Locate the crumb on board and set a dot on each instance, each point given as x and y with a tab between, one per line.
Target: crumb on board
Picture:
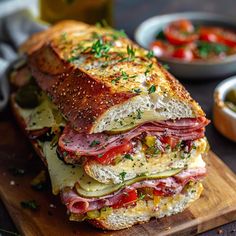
220	231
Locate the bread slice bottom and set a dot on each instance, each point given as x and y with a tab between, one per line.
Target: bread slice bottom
144	210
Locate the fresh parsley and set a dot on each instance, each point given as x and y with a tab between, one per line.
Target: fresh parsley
152	89
205	48
139	114
161	35
166	66
137	90
100	48
31	204
128	156
148	69
150	54
17	171
94	143
122	175
141	196
130	51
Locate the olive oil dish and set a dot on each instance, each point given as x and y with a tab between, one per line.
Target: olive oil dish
122	139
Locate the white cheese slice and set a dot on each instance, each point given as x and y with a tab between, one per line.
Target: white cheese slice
44	115
61	175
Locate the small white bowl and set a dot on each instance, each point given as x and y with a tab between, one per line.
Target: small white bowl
224	118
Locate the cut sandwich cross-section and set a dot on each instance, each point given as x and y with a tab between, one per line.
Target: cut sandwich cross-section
122	139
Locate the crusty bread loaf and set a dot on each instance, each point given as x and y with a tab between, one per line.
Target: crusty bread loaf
145	210
102	81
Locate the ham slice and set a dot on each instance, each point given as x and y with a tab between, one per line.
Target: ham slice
169	186
80	144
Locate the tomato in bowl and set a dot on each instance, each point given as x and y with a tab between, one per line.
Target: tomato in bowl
195	45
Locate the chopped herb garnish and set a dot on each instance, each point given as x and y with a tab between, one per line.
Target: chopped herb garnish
100	49
105	64
94	143
166	66
124	75
17	171
152	150
161	35
150	54
130	51
128	156
122	176
152	89
119	33
102	24
139	114
148	69
137	90
141	196
31	204
64	154
64	36
100	155
205	48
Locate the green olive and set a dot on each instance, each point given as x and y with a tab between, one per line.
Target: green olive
231	96
231	106
28	96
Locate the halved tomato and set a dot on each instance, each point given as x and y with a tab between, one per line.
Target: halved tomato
127	198
110	155
209	34
218	35
183	53
180	32
228	38
170	141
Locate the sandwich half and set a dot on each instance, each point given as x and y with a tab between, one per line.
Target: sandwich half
122	139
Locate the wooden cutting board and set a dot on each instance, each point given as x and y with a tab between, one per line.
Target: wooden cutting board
216	206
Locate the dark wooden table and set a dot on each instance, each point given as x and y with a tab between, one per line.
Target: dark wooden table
128	15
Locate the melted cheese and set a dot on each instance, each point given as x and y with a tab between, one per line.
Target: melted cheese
139	164
61	175
44	115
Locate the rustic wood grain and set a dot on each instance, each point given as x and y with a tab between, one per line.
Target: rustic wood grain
217	205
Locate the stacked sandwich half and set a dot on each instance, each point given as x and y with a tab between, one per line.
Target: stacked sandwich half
122	139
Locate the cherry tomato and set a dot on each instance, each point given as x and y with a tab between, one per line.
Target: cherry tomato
209	34
170	141
158	192
218	35
228	38
109	156
180	32
183	53
127	198
161	48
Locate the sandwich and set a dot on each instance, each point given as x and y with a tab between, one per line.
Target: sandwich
122	139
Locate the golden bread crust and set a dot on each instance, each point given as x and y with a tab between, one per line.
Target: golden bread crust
87	70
